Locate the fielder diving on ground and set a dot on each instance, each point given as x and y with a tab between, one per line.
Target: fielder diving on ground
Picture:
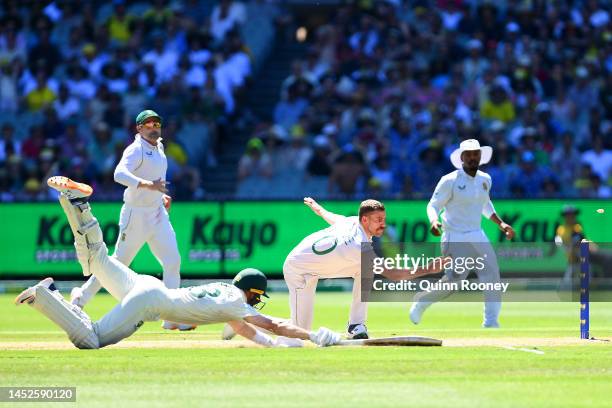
144	298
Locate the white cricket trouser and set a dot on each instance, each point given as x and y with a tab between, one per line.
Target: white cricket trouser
302	288
473	245
141	297
137	226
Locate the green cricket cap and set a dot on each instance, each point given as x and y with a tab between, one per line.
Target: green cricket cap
251	279
146	114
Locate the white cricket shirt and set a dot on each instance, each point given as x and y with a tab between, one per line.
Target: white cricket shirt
464	199
216	302
333	252
141	161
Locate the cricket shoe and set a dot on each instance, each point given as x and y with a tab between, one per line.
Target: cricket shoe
71	189
228	332
178	326
357	331
490	325
416	312
29	295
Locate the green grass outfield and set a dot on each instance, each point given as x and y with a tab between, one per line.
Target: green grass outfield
477	367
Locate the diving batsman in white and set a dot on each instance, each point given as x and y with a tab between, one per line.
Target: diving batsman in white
144	215
464	197
145	298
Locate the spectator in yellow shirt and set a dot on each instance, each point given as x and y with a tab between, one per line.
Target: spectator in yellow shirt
120	24
498	106
41	96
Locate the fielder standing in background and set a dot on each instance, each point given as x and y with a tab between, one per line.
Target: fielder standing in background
144	215
569	235
464	196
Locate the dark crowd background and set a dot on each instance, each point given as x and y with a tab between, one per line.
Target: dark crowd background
379	93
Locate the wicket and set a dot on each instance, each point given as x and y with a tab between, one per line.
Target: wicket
584	289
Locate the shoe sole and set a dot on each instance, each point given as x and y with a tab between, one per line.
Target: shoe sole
69	188
178	327
169	326
28	295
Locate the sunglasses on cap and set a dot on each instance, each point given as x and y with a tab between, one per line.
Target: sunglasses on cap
152	124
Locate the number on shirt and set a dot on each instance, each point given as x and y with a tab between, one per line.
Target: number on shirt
200	292
324	245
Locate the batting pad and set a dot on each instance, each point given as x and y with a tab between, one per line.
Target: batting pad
82	224
75	323
73	216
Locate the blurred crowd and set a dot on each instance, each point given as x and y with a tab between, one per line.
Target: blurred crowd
74	75
384	93
387	89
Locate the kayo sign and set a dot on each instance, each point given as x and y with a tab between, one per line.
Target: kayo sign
219	239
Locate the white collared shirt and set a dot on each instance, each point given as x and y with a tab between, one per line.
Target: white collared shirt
141	161
463	198
332	252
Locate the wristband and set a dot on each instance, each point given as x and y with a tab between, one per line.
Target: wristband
263	339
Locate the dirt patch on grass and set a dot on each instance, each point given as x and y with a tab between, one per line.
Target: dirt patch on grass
194	344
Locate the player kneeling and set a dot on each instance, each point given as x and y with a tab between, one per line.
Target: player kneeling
145	298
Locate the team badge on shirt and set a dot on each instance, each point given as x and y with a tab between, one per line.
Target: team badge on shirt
484	186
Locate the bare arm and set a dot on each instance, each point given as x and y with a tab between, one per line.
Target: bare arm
328	216
243	329
508	230
249	332
323	337
277	326
167	201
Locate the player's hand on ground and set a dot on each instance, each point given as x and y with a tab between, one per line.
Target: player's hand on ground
314	206
436	228
508	230
325	337
167	200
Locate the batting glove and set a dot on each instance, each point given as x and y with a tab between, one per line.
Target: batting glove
325	337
